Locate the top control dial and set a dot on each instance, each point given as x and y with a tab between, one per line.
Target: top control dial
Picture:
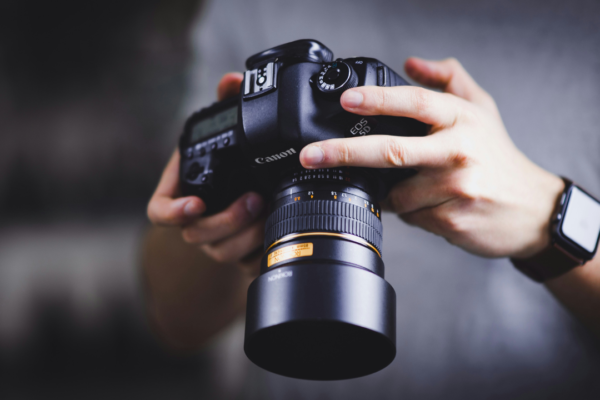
335	77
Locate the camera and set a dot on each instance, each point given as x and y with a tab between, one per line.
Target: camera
320	308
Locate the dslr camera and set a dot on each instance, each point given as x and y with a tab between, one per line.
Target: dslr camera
320	308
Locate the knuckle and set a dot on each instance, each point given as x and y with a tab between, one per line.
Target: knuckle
468	192
448	221
469	188
421	100
460	153
232	220
379	100
459	159
453	63
344	152
394	152
489	103
189	235
382	100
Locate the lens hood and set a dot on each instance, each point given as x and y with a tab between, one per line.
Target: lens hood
321	321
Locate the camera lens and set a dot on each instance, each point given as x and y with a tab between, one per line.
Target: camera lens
320	308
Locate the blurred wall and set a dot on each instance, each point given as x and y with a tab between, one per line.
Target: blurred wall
90	93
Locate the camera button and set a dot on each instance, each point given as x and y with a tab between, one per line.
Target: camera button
195	170
204	178
189	152
381	76
226	141
213	147
332	75
202	151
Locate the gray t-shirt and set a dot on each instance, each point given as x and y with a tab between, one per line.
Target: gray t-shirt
467	327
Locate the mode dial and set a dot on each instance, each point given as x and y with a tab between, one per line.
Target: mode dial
335	77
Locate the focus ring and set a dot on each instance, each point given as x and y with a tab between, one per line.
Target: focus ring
323	216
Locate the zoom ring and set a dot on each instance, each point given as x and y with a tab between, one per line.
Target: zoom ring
324	216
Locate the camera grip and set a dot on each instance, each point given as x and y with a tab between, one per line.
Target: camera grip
224	178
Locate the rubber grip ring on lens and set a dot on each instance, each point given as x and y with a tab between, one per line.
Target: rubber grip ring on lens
323	216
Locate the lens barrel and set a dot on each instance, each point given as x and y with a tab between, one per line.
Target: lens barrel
321	308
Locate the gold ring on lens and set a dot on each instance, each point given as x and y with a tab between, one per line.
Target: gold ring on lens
351	238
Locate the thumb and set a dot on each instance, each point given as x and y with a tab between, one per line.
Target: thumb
165	208
229	85
449	76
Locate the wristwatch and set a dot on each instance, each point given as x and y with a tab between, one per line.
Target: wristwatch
574	233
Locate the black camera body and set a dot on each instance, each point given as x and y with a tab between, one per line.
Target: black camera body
286	102
320	308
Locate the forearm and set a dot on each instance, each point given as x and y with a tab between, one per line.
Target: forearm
189	295
579	291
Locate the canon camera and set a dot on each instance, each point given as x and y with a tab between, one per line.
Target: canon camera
320	308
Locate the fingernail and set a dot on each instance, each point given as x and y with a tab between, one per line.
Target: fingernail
191	209
254	204
312	156
352	98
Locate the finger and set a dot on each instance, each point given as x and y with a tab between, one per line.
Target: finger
433	108
238	246
424	219
423	190
164	208
229	85
442	220
381	151
226	223
447	75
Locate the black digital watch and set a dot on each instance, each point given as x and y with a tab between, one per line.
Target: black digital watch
575	233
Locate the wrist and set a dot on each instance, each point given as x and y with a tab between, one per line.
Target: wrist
543	205
575	232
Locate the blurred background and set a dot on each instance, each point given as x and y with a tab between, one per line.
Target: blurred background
93	96
90	94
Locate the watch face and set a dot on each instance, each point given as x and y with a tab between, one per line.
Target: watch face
581	222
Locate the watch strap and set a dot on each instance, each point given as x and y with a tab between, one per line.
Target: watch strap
551	263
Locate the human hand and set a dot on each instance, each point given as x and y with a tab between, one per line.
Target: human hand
234	235
474	187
